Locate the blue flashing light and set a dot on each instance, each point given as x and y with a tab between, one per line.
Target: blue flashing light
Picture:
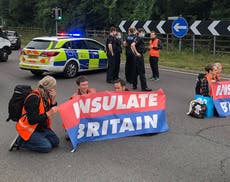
70	34
74	34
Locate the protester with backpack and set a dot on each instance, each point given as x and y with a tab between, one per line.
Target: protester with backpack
206	82
34	126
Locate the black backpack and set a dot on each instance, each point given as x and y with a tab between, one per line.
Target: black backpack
17	101
200	77
198	110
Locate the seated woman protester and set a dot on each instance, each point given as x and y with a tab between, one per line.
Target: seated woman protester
34	127
219	70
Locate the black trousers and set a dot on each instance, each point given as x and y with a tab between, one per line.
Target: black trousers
130	67
153	61
140	71
111	68
117	65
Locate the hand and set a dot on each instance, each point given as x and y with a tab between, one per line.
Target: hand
52	111
138	54
52	94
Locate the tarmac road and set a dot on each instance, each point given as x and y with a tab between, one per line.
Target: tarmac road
192	151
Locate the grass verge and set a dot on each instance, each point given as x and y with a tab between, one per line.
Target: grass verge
187	61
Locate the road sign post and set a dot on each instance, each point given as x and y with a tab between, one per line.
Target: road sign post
179	29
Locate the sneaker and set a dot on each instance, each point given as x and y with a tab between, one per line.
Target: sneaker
14	144
157	79
152	79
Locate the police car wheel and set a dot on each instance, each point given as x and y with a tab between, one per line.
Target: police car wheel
37	72
4	55
71	70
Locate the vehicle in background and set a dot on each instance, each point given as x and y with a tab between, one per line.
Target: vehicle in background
14	38
63	54
5	47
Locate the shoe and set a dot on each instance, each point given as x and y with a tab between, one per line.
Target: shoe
147	89
157	79
134	87
152	79
67	138
14	144
111	81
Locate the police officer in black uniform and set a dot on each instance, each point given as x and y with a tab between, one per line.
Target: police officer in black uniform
130	57
118	54
138	47
111	51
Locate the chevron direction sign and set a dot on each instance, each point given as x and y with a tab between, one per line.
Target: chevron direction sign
197	27
208	27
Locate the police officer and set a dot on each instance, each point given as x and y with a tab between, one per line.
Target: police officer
118	54
130	57
138	47
111	50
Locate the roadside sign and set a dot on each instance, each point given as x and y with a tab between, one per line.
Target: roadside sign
180	27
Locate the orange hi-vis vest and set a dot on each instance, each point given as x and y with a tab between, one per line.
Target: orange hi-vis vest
154	52
89	91
23	127
209	84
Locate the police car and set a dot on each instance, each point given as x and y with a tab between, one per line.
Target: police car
63	54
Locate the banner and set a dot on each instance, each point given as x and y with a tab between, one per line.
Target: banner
221	97
107	115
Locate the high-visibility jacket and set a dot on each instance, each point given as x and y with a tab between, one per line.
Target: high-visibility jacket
154	52
23	127
89	91
209	84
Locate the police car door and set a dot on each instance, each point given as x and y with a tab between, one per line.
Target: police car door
82	54
97	54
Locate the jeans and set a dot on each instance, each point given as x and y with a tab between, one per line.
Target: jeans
40	141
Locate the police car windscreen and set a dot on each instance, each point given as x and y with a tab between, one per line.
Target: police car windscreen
38	44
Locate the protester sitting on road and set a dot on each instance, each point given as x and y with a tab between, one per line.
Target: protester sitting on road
83	86
119	85
34	127
82	89
206	82
219	70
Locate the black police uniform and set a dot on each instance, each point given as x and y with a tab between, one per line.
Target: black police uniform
130	60
111	59
118	51
140	65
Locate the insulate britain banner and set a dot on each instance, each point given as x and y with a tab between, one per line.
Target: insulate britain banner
107	115
221	97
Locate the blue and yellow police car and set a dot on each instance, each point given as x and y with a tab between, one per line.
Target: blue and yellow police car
63	54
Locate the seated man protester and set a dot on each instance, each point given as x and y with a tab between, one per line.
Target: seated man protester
206	82
119	85
83	87
34	126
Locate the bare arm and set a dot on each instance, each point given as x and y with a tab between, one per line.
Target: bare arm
133	47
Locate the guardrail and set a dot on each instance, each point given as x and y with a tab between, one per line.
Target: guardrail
201	43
